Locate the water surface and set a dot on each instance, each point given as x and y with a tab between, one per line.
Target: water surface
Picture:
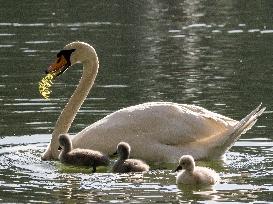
214	54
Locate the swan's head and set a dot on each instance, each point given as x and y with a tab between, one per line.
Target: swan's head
123	150
72	53
186	162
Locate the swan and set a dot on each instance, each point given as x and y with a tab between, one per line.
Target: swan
156	131
124	164
192	174
80	157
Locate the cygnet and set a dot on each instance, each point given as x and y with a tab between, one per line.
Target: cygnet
81	157
192	174
124	164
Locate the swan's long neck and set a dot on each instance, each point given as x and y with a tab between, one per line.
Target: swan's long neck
90	70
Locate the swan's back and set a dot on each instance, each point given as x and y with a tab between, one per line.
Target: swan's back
166	123
186	123
162	131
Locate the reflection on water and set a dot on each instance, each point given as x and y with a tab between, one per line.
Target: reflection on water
214	54
244	176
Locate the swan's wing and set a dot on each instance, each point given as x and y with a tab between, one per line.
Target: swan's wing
165	130
167	123
209	114
172	123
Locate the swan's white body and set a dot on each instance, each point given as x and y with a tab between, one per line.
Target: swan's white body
156	131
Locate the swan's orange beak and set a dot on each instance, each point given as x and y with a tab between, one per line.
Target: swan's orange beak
59	66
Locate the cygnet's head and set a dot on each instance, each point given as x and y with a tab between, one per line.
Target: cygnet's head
65	142
186	162
123	150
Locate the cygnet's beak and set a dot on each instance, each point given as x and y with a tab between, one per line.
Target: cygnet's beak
115	153
178	168
59	148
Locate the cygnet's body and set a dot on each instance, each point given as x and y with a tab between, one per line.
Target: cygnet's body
80	157
124	164
195	175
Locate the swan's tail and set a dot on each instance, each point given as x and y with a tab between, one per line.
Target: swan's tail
228	139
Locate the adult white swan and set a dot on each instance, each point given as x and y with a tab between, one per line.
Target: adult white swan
157	131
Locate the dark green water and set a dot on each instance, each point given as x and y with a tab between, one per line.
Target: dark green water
216	54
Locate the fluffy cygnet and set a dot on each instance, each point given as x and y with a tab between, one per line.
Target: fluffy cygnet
81	157
124	164
192	174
